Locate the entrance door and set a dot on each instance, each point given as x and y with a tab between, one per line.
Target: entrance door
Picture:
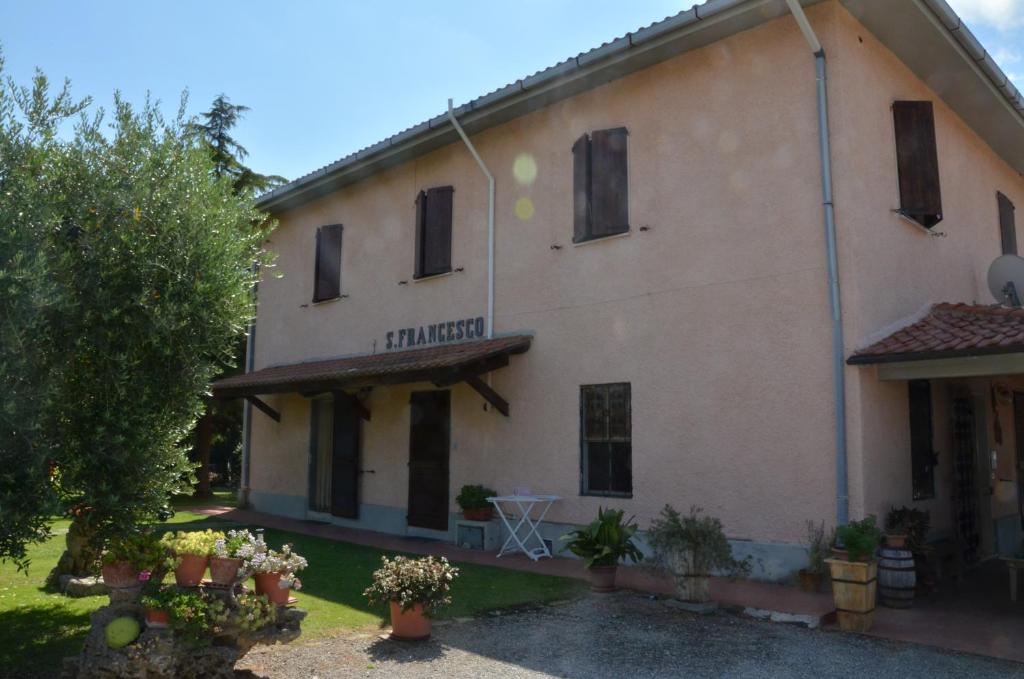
430	423
345	458
1018	423
965	486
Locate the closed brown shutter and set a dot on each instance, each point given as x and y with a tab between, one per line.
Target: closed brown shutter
328	263
421	212
1007	225
437	257
918	162
609	182
581	189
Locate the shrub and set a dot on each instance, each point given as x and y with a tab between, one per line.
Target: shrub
911	522
818	543
237	544
474	497
607	540
139	547
285	562
860	538
251	612
178	544
697	541
408	582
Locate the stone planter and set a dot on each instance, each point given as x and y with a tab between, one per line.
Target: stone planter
120	574
854	585
190	571
410	625
602	578
690	585
224	571
268	583
478	514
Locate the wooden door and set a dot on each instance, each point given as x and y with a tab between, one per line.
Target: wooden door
345	458
429	432
965	487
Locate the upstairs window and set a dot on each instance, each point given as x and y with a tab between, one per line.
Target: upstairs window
600	185
327	280
922	456
917	162
1007	224
434	232
606	439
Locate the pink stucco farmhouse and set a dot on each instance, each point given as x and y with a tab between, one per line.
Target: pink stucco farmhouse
735	259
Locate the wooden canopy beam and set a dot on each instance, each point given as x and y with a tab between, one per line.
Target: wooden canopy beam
262	405
489	394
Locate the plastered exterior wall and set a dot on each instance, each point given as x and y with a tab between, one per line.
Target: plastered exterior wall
891	269
716	313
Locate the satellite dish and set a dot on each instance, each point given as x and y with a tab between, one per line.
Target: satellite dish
1006	279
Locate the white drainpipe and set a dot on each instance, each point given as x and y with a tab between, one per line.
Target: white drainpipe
490	219
838	352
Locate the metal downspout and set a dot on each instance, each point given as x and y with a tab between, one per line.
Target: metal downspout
838	351
250	357
490	221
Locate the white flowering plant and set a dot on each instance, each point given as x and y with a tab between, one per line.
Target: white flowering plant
408	582
266	560
237	544
251	612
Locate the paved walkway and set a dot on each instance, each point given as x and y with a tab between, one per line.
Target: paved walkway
619	635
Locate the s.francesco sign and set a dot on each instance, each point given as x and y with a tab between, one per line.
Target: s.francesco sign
435	333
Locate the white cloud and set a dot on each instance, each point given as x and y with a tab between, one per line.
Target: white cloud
999	14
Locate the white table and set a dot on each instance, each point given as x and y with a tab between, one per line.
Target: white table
526	528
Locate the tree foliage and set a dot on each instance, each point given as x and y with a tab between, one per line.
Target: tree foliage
126	271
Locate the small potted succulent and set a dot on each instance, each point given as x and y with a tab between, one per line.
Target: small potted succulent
414	589
818	542
130	555
606	541
474	503
855	573
189	554
251	612
274	571
229	554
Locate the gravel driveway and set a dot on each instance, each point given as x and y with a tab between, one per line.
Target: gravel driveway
619	635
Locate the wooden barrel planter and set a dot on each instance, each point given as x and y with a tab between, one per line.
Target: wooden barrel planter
897	578
854	585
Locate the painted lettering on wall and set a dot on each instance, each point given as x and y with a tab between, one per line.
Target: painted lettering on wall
435	333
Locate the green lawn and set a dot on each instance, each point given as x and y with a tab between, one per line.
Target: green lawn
40	628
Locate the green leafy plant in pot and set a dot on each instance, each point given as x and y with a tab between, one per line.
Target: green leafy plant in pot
472	499
602	544
907	527
130	555
855	573
691	547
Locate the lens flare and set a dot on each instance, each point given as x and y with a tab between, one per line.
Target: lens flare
524	169
524	209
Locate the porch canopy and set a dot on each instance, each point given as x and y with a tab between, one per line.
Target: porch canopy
442	365
951	340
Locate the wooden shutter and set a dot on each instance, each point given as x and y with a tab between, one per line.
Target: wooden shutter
345	458
328	263
917	162
581	189
421	213
609	182
437	232
1007	225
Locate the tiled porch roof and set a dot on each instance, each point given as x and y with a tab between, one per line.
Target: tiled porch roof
413	365
950	331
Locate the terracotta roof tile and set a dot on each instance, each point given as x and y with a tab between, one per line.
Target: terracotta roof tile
392	367
950	330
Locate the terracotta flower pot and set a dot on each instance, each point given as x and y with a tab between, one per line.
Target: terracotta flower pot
120	574
267	583
224	571
602	578
810	582
157	619
410	625
191	570
478	514
896	541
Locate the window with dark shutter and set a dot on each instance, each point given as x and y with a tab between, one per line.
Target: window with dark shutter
606	434
1007	224
917	162
327	279
922	455
434	232
600	185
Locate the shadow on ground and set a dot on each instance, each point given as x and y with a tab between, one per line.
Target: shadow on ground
36	636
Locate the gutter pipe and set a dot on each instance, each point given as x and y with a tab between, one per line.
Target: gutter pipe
838	352
490	218
250	358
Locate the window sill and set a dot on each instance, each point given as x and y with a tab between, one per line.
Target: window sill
601	239
434	276
606	494
328	301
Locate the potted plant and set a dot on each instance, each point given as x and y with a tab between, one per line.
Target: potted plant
189	554
907	527
187	613
251	612
129	555
854	577
905	536
413	589
229	554
274	571
691	547
156	603
474	503
607	540
817	551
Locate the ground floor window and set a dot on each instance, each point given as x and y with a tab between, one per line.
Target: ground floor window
922	455
606	439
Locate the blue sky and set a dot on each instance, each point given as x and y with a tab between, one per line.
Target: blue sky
326	77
